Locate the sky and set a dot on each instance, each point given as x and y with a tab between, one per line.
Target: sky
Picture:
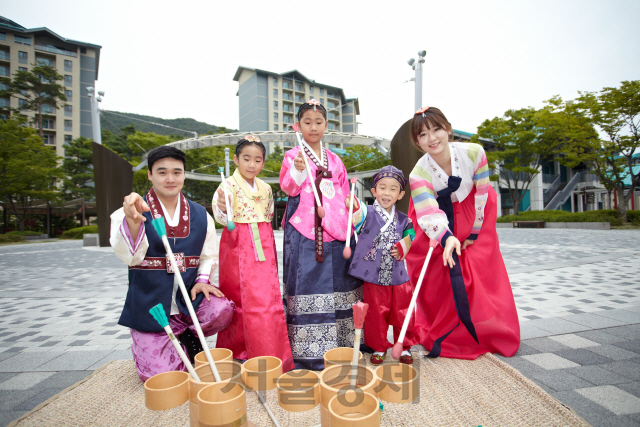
177	59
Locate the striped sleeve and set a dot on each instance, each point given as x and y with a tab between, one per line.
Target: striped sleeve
429	215
404	245
481	180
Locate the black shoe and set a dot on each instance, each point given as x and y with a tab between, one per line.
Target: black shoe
191	343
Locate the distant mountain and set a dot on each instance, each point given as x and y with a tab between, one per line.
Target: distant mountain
114	120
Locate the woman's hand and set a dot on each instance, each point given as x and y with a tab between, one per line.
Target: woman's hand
447	255
466	243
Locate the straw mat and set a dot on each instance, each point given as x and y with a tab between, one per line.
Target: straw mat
453	392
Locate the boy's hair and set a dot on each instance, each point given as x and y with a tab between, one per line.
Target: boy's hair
250	140
312	104
164	152
430	117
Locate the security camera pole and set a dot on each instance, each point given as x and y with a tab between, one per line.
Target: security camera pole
417	66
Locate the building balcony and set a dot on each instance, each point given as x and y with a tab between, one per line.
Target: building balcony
5	56
52	49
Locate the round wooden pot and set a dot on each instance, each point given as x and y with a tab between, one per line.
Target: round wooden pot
341	356
354	409
222	404
335	380
298	390
261	373
228	370
218	355
399	382
166	390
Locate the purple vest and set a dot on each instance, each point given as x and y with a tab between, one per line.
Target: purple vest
368	260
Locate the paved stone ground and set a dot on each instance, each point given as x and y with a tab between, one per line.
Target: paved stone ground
577	293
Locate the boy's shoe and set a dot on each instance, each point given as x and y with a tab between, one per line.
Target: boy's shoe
191	343
406	359
377	359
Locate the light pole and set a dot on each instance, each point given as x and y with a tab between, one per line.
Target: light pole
417	66
95	114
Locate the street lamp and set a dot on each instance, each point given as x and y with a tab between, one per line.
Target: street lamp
95	114
417	66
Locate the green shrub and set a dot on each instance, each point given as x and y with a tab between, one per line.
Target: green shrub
77	233
608	215
24	233
9	238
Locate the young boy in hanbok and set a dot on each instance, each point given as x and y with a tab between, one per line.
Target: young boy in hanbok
453	202
385	238
191	234
318	291
248	272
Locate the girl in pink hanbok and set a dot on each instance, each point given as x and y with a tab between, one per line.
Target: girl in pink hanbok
248	269
318	291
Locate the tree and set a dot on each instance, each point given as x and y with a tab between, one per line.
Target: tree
77	167
616	113
364	158
523	138
28	169
36	88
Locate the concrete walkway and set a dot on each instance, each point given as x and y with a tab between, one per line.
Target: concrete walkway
577	293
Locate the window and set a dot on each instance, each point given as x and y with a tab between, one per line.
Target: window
286	107
4	71
68	108
83	50
310	89
331	126
330	94
48	109
331	104
275	93
5	55
275	104
3	36
275	127
286	96
275	81
68	79
22	40
322	101
287	119
68	139
321	91
275	116
23	55
48	139
286	85
4	102
299	99
68	65
299	87
45	61
69	95
22	103
48	124
331	116
68	125
22	69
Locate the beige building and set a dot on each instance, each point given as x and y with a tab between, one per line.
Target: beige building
77	61
269	102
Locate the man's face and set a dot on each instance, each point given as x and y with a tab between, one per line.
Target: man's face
167	177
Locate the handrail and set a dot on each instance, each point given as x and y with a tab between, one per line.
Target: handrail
552	189
562	196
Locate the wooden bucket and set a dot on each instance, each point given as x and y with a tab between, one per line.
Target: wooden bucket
218	355
261	373
341	356
228	370
222	404
398	382
354	409
298	390
166	390
335	380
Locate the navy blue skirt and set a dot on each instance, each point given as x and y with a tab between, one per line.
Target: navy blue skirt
317	296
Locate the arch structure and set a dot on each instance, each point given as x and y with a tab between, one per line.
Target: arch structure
204	141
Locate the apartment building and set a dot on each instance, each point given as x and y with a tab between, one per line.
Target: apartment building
77	61
269	102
